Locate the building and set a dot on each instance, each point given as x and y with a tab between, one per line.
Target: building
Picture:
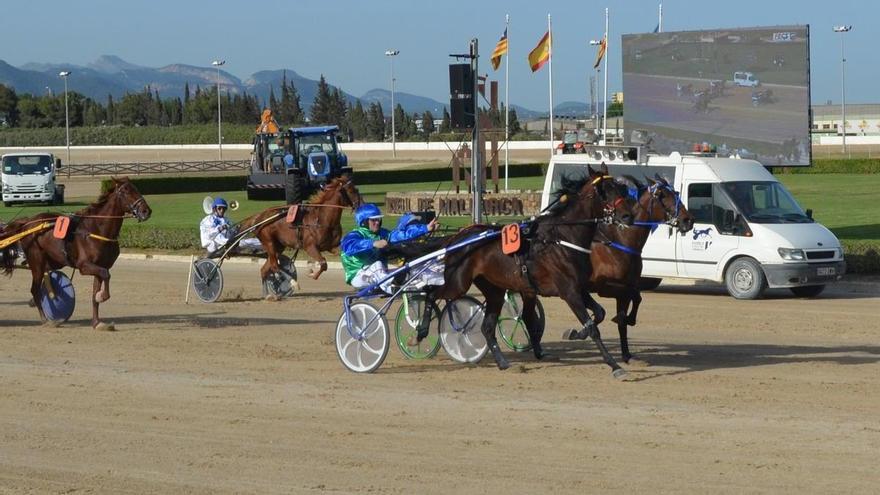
862	119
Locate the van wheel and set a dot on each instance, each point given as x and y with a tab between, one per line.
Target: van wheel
649	283
745	279
807	290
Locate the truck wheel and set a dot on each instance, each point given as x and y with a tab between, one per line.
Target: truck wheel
807	290
745	279
252	194
295	189
7	203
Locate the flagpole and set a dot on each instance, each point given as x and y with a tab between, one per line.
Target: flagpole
507	102
660	23
550	33
605	103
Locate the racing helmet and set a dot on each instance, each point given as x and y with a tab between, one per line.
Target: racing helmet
219	203
365	212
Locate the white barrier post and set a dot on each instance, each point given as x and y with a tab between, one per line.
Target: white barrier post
189	277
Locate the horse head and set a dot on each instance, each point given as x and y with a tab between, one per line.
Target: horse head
663	204
129	200
343	187
612	194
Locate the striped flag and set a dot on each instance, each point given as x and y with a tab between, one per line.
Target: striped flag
601	53
500	50
541	54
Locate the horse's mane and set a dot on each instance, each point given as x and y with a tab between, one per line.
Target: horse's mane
103	198
322	195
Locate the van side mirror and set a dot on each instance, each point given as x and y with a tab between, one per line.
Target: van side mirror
810	213
58	164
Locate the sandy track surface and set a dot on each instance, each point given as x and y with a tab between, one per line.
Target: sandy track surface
246	396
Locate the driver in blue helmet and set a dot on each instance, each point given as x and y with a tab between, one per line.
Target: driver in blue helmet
215	229
361	248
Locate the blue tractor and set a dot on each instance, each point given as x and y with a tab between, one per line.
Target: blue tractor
295	163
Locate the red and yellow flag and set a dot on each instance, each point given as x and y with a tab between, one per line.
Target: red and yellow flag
541	54
601	53
500	50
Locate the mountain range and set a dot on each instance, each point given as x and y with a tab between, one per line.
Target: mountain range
111	75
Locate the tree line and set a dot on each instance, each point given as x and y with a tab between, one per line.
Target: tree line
199	106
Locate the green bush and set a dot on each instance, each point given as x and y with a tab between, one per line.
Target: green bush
166	239
121	136
175	185
838	166
862	256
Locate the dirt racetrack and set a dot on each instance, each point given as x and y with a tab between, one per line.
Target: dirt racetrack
246	396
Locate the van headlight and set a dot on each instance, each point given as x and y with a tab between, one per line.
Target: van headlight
792	254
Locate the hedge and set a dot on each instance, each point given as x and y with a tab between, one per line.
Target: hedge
837	166
861	256
175	185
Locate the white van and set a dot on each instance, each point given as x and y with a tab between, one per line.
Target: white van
749	233
746	79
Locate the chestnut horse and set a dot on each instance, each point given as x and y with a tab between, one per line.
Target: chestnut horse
317	226
616	255
552	261
91	244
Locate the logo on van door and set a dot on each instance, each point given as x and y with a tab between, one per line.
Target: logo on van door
702	239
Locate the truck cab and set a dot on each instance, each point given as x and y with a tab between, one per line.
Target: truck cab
30	178
749	232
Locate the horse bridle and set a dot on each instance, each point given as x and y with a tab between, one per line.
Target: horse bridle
344	193
655	189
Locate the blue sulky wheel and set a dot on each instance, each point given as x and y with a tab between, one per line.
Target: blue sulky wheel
283	282
362	342
460	332
207	280
58	303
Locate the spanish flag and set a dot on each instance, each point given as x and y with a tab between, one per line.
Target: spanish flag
541	54
601	53
500	50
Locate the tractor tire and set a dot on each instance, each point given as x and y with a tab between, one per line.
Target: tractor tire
295	189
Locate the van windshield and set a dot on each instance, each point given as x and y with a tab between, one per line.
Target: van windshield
765	202
27	165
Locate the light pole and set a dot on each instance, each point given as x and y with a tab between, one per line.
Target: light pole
217	64
63	75
392	54
841	30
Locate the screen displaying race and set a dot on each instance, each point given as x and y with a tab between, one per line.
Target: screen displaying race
743	91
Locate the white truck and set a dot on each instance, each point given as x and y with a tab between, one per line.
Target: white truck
30	177
749	233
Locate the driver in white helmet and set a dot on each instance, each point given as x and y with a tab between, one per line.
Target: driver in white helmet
215	230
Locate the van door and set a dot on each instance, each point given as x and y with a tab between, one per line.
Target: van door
716	231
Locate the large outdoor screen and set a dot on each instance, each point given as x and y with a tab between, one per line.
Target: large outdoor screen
743	91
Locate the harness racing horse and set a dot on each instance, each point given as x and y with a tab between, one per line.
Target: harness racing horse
90	245
316	227
616	255
552	261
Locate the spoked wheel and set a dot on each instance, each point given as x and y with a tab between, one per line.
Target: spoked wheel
281	283
207	280
511	325
59	299
460	332
406	328
362	342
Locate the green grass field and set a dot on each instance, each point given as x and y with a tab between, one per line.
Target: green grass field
848	204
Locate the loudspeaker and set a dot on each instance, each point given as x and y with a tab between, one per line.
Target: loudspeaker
461	113
461	79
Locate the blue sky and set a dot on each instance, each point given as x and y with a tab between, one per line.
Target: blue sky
346	39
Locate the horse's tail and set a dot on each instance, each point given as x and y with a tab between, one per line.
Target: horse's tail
7	254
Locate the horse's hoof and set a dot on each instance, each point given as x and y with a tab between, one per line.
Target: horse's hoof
572	334
105	327
32	304
503	365
272	297
52	323
620	374
101	297
631	321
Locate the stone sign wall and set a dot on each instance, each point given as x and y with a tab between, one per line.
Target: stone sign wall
514	203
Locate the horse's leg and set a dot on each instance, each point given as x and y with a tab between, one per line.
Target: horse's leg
102	279
36	283
636	297
598	316
494	301
577	303
530	318
425	322
622	304
315	254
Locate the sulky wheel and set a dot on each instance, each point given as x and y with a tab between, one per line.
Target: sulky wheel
59	298
207	280
362	342
283	282
460	332
406	327
511	325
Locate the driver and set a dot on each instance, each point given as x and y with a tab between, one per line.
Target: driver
215	229
361	255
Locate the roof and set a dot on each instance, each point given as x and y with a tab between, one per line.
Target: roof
310	131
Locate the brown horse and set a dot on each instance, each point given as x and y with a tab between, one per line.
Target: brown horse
317	226
551	262
91	244
616	255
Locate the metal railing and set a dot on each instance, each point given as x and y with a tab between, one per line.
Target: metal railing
143	168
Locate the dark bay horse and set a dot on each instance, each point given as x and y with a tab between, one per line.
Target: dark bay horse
616	255
91	244
317	227
552	261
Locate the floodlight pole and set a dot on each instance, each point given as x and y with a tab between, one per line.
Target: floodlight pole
476	170
218	63
842	30
64	75
391	54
